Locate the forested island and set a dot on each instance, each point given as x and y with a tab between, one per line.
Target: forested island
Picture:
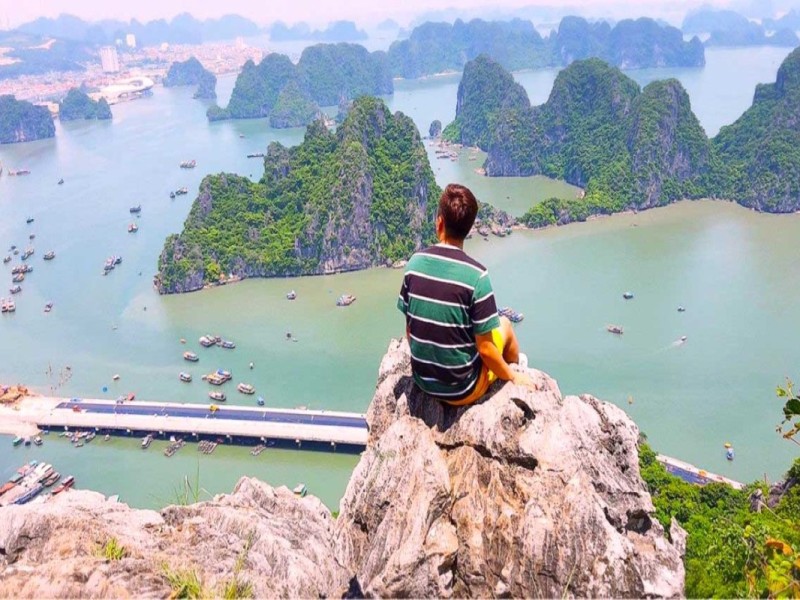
78	105
338	31
29	54
339	201
440	47
729	28
192	72
290	95
631	148
21	121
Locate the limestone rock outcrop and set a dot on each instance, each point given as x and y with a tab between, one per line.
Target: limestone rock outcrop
527	494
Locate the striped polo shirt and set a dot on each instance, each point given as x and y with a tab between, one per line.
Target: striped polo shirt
447	299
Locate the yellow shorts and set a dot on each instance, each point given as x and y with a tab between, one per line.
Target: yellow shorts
486	377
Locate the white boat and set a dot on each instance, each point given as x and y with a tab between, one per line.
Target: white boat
300	490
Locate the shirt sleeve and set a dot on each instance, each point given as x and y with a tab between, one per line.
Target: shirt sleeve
402	299
483	312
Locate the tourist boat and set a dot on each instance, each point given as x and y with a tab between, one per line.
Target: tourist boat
133	228
7	259
256	155
189	164
50	255
214	379
260	401
30	494
217	396
16	441
68	482
246	388
48	307
146	441
511	314
135	209
627	295
10	306
345	300
226	375
185	377
38	440
16	172
27	254
61	181
300	490
207	341
291	295
130	397
190	356
16	289
29	220
182	191
90	436
50	480
227	344
614	329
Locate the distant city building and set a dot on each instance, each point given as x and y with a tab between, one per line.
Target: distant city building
109	59
240	45
130	40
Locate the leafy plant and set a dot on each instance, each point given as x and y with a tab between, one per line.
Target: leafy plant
790	426
112	550
185	583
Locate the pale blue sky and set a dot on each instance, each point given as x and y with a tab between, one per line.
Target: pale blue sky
14	12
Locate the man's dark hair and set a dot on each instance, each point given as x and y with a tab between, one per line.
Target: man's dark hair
458	208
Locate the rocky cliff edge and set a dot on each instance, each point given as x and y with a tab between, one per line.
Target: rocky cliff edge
528	493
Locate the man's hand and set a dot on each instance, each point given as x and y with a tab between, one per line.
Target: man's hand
523	379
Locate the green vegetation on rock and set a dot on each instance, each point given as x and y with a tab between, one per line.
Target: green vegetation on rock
326	75
78	105
192	72
21	121
353	199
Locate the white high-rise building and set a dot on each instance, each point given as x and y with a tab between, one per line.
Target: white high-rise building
109	59
130	40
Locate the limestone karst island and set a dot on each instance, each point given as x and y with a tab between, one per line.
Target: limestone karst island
417	299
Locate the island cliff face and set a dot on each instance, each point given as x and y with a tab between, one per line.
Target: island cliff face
21	121
526	494
78	105
192	72
340	201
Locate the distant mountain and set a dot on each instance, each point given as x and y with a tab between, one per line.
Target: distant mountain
388	25
643	43
183	29
707	20
77	105
21	121
192	72
338	31
290	95
790	20
31	54
729	28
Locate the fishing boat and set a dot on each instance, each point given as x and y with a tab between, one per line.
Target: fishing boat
614	329
27	254
345	300
300	490
133	228
182	191
681	309
189	164
38	440
16	441
217	396
29	220
10	306
185	377
135	209
227	344
7	259
68	482
291	295
683	338
246	388
190	356
50	255
146	441
260	401
16	289
61	181
627	295
48	307
172	195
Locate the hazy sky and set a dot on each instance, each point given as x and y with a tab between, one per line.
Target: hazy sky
14	12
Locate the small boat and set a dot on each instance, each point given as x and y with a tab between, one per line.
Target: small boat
260	401
291	295
115	377
182	191
185	377
614	329
681	309
107	437
50	255
627	295
51	479
345	300
300	490
207	341
190	356
38	440
48	307
16	289
133	228
729	454
26	441
683	338
14	173
226	375
6	487
172	195
30	494
61	181
217	396
10	306
135	209
146	441
29	220
65	485
246	388
256	155
7	259
16	441
189	164
227	344
27	254
18	278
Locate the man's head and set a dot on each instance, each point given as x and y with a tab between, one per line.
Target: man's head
457	211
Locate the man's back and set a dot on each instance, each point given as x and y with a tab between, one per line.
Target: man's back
447	299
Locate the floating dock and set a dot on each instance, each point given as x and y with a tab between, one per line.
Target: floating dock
287	428
692	474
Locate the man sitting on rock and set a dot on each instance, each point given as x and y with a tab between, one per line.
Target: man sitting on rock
459	344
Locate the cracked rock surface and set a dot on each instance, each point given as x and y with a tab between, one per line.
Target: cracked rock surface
527	494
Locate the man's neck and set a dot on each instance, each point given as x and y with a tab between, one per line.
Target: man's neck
447	241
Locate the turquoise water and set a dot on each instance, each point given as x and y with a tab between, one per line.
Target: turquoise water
734	270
